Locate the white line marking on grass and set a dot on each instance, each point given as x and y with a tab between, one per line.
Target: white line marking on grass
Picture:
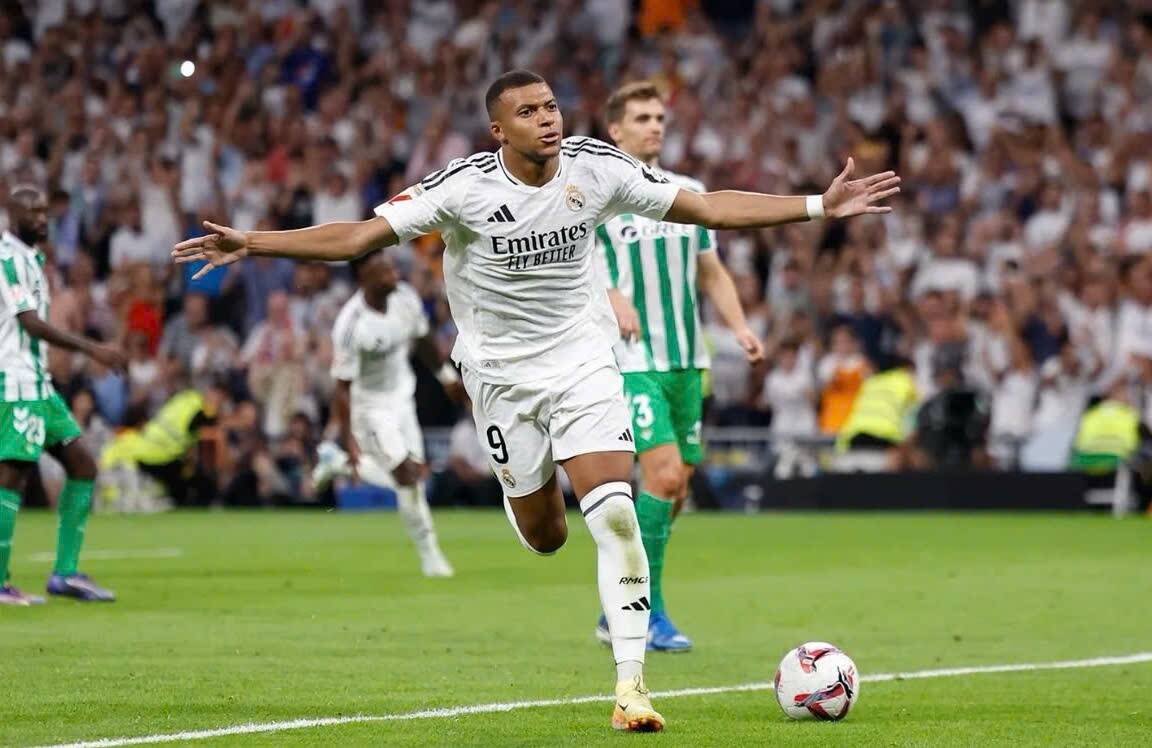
114	555
460	711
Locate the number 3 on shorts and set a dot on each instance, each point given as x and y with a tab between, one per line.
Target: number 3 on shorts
642	410
498	445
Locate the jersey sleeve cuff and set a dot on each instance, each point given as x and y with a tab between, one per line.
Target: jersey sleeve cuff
395	218
672	191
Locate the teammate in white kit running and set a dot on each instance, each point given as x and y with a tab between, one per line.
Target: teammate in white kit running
535	327
374	404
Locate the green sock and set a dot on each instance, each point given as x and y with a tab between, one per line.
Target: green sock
75	498
9	505
655	517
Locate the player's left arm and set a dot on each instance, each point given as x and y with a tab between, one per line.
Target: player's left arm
732	209
40	329
714	279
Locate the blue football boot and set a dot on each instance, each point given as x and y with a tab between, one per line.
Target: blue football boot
663	636
79	586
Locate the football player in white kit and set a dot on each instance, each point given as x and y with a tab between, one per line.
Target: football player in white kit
536	329
374	404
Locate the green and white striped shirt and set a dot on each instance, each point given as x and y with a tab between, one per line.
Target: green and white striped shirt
23	287
653	264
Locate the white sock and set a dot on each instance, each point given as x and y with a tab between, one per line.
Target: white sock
622	572
412	505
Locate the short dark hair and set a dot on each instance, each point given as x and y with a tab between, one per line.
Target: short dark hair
358	262
635	91
511	79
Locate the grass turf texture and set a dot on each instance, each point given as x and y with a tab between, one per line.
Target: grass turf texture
277	616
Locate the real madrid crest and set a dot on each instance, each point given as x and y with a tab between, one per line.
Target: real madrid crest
506	476
574	198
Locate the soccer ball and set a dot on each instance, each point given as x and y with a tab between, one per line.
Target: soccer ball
817	681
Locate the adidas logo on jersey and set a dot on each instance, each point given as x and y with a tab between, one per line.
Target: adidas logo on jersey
501	216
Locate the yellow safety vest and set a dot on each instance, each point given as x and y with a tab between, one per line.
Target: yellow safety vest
880	407
163	439
1110	429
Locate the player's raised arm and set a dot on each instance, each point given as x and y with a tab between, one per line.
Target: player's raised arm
341	240
731	209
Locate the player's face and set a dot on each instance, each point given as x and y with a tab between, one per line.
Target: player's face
30	218
528	121
640	132
379	274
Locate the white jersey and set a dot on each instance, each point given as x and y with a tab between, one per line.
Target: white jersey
525	288
653	264
23	287
370	348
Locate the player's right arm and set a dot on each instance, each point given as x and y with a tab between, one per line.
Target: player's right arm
627	319
40	329
17	299
345	367
717	283
431	205
342	412
328	242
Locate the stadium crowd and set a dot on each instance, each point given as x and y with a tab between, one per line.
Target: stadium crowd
1023	236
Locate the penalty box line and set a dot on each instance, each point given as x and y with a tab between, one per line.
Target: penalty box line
464	710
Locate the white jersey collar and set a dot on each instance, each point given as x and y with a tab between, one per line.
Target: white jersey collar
12	239
508	174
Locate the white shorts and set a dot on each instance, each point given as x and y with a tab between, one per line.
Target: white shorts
388	433
527	428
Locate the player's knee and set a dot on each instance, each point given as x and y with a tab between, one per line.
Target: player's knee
407	474
667	481
13	475
82	466
548	535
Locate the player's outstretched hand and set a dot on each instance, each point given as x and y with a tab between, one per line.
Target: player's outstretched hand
753	347
848	197
223	245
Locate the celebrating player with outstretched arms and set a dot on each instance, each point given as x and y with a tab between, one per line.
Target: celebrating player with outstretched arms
536	330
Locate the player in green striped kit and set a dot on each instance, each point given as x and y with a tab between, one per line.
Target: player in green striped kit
33	416
654	269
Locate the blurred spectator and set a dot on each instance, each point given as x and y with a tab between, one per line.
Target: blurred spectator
790	393
274	354
951	426
840	373
182	332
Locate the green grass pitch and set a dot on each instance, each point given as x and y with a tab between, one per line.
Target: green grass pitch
266	616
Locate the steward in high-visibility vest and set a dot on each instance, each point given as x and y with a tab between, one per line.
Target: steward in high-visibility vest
1109	433
879	416
160	448
166	437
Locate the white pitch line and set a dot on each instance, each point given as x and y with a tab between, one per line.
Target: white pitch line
114	555
460	711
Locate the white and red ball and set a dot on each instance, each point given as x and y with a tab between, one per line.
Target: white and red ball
817	681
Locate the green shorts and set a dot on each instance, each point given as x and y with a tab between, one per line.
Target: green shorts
27	426
666	408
